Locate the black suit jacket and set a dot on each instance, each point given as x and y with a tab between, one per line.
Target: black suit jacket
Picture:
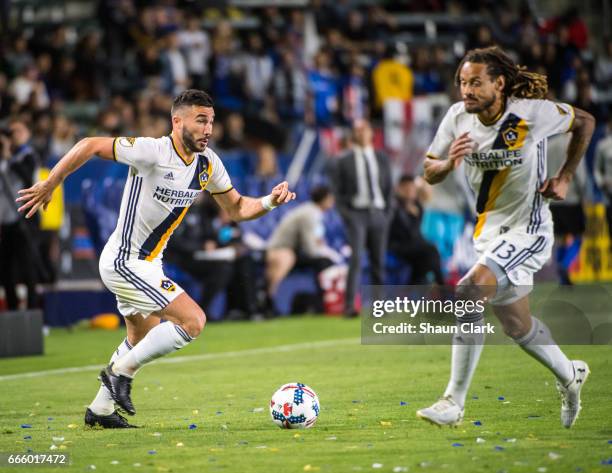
343	177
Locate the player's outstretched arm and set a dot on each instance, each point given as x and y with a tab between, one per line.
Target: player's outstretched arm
582	129
240	207
40	193
436	170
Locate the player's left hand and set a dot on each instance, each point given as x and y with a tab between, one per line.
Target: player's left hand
555	188
281	194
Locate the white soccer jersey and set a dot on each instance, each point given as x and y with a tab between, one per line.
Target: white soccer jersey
160	188
508	164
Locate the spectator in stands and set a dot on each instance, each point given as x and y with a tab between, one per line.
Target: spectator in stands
405	238
90	67
392	79
28	89
323	92
175	74
195	44
63	137
427	79
602	168
355	94
224	68
258	72
361	180
299	241
18	57
267	162
289	87
18	236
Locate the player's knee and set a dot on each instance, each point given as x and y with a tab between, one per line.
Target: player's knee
468	290
195	323
477	285
514	327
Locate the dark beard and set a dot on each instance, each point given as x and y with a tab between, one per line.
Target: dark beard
481	108
190	143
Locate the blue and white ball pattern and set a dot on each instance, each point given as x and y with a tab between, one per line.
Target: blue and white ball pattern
294	406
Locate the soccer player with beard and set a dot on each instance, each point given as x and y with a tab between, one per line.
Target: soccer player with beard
166	175
499	131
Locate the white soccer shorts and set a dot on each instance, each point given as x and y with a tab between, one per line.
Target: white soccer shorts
520	255
140	286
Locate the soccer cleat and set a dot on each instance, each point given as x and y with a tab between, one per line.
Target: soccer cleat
570	394
120	387
443	412
112	421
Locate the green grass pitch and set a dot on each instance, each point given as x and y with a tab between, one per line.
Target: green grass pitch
223	382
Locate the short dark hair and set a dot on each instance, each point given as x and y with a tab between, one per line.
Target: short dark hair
191	97
319	193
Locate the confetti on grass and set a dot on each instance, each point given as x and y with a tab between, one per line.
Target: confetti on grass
477	423
403	403
26	426
498	448
152	452
192	426
457	444
501	398
480	440
553	456
377	465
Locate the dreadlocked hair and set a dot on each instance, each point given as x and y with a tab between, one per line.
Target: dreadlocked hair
520	83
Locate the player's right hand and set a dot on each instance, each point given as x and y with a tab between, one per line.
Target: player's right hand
458	149
35	197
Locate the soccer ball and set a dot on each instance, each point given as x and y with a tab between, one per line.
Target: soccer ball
294	406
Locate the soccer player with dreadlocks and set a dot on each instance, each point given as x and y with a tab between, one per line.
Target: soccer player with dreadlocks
499	131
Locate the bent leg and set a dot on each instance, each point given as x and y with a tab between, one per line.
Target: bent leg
533	336
184	322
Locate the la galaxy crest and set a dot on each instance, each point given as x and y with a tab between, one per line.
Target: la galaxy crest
168	285
203	178
510	136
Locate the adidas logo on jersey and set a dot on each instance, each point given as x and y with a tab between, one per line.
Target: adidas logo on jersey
169	176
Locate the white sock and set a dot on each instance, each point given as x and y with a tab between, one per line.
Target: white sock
103	403
538	342
465	354
163	339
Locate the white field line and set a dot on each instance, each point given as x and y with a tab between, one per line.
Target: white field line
189	358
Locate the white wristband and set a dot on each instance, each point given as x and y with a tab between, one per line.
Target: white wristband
266	203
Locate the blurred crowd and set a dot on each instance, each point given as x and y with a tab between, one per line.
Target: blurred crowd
273	71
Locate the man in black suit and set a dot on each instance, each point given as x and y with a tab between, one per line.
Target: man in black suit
361	180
